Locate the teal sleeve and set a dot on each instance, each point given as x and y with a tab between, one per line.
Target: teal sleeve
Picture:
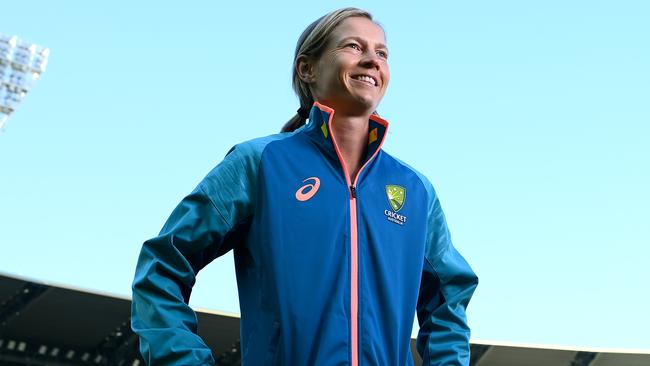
168	264
447	285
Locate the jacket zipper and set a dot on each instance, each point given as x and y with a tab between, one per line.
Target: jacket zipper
354	275
354	252
354	245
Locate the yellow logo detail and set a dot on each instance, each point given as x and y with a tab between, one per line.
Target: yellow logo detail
372	137
324	128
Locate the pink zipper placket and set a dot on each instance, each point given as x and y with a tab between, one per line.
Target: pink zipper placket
354	253
354	240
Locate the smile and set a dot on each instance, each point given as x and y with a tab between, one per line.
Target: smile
366	79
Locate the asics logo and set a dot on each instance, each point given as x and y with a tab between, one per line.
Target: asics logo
308	190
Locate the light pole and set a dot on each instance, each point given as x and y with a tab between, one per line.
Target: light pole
21	64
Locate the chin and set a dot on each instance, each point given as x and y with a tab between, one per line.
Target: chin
357	103
367	103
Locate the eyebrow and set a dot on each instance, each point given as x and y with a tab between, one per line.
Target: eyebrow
361	40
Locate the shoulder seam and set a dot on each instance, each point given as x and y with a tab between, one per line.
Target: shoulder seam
223	218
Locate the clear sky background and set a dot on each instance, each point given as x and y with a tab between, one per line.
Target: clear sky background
531	118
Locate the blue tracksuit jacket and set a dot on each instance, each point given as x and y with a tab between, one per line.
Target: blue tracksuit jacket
329	271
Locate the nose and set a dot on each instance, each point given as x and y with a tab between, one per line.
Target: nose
371	60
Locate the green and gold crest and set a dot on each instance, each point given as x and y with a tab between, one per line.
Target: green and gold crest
396	196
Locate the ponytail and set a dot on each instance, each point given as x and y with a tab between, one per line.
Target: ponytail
297	121
300	118
294	123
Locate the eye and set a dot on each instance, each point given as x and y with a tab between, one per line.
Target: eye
354	46
382	54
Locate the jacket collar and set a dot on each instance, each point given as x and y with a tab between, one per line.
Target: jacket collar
319	128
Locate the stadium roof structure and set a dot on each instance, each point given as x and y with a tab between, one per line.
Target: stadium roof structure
47	324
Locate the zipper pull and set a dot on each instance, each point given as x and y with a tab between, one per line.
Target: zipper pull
353	191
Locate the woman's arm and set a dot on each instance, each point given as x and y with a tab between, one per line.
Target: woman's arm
447	285
168	264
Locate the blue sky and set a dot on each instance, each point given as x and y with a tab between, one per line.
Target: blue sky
530	118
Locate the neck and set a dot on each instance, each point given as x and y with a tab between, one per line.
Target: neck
351	133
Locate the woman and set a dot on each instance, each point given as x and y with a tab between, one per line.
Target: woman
336	243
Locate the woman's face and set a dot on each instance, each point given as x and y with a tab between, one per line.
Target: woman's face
352	74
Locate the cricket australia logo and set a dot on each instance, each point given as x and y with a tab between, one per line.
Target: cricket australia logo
396	197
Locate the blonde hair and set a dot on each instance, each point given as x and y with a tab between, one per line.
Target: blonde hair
311	44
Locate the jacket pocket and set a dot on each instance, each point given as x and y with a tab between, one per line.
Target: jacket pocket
271	356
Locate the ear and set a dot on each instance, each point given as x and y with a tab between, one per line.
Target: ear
306	69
